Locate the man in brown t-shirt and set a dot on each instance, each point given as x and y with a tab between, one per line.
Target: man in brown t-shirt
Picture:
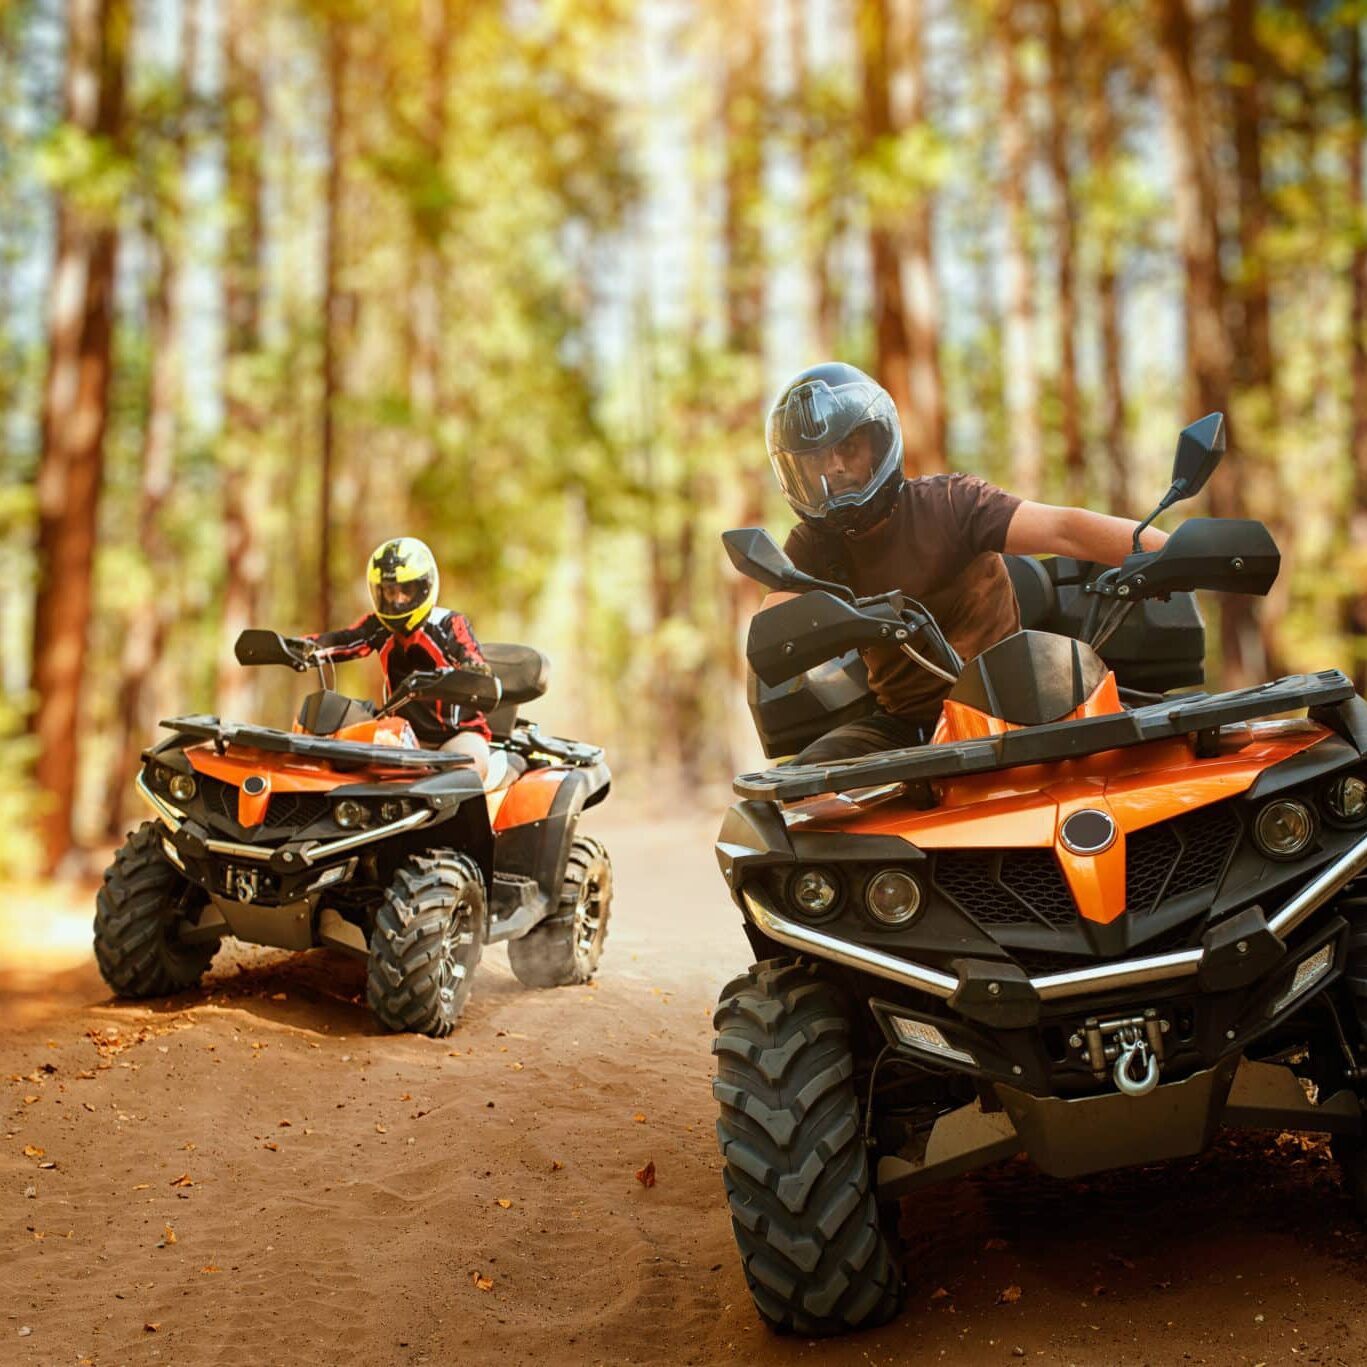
836	447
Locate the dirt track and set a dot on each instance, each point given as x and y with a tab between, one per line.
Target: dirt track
335	1194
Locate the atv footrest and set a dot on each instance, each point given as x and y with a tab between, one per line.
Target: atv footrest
516	903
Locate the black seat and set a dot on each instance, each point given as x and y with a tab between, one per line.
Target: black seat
525	676
1034	591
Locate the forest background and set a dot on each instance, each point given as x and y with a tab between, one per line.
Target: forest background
280	280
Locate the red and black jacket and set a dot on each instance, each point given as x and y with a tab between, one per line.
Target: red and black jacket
443	641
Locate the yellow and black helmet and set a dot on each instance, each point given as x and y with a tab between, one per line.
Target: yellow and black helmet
402	579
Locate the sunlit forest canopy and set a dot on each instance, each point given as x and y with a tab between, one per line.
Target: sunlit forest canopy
278	281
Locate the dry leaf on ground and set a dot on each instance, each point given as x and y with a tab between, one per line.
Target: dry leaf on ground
1010	1296
504	1202
557	1165
33	1151
151	1326
210	1268
639	1117
271	1145
646	1175
995	1245
482	1283
184	1180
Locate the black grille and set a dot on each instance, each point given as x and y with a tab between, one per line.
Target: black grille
1178	856
219	797
1035	877
296	809
1024	888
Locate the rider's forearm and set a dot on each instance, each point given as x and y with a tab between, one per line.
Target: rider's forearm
1106	539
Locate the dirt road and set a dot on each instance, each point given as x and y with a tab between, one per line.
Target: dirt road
250	1175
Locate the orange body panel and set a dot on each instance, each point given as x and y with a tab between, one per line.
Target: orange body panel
530	798
1024	807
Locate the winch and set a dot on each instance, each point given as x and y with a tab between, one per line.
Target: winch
1132	1047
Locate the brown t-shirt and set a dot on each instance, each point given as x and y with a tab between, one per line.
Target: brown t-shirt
942	546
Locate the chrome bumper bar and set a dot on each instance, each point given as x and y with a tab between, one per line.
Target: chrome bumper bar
1051	986
308	855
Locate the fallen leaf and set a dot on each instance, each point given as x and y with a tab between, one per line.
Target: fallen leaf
994	1245
939	1294
453	1053
142	1186
517	1067
557	1165
283	1124
210	1268
184	1180
646	1175
188	1146
1010	1296
407	1096
87	1105
169	1235
482	1283
151	1326
504	1202
271	1145
380	1129
29	1100
24	1331
279	997
639	1117
33	1151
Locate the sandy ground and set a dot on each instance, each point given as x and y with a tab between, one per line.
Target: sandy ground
250	1174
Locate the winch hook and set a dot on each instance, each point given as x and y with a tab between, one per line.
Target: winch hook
1126	1080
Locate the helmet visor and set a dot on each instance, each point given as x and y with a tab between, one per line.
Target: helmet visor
393	599
833	447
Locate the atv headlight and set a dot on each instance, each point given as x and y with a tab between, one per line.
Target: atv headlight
813	892
348	813
393	808
183	787
1284	828
892	897
1347	798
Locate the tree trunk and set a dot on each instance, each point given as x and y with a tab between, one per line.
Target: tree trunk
893	362
145	636
818	211
243	479
925	423
1209	344
332	307
74	413
1356	531
1021	379
1061	56
1101	142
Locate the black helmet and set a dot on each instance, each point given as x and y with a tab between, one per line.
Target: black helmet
836	446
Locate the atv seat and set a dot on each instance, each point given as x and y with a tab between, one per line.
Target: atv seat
524	674
505	768
1034	591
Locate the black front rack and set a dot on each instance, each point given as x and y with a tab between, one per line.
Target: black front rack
342	754
1199	714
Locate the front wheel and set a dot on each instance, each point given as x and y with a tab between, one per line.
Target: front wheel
566	947
140	912
797	1171
428	937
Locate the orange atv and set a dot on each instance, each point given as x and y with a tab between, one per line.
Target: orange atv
1085	922
343	832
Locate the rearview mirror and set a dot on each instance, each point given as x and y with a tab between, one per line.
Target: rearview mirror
754	553
465	687
1199	448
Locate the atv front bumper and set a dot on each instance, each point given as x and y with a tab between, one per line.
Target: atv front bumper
1070	1137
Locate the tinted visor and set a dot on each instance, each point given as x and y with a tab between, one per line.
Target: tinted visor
395	600
833	447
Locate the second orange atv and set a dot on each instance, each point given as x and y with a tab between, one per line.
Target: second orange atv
1087	922
343	832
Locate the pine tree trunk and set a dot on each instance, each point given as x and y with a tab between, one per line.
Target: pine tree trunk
74	414
332	307
146	632
1209	344
1021	380
893	345
1356	531
925	422
242	481
1061	57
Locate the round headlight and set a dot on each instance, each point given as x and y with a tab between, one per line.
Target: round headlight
893	897
348	814
391	810
1284	828
1348	798
183	787
813	891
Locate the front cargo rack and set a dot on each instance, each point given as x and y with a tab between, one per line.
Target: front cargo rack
1199	713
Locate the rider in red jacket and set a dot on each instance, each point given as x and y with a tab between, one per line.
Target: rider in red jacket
412	633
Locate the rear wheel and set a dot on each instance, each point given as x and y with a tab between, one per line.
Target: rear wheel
140	912
797	1173
428	938
566	947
